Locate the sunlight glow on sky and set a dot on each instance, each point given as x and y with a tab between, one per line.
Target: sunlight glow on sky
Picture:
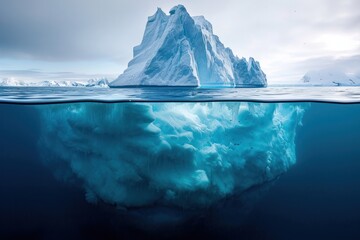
82	39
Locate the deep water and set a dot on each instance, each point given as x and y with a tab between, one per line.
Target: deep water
317	198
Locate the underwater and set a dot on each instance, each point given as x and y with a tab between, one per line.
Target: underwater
198	167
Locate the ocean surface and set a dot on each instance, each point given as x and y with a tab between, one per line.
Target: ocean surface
42	95
175	163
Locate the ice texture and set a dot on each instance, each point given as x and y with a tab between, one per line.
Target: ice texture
178	155
180	50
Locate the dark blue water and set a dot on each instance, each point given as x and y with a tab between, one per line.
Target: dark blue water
33	204
318	198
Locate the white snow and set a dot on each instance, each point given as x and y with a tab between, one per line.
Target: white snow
328	77
12	82
180	50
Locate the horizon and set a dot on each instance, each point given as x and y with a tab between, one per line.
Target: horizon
81	40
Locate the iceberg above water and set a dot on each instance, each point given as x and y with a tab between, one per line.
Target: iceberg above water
180	50
176	155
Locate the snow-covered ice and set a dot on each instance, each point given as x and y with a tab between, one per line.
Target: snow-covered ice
12	82
329	77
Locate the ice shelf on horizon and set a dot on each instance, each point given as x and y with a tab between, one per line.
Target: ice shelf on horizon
13	82
329	77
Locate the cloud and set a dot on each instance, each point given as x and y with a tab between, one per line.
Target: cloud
349	64
70	30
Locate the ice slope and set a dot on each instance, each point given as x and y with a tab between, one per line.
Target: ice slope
180	50
177	155
11	82
328	77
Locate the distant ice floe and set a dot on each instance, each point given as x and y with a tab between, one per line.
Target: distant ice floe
329	77
12	82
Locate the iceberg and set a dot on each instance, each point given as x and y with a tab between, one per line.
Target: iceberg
180	50
188	156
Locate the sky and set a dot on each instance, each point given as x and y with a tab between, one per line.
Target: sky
83	39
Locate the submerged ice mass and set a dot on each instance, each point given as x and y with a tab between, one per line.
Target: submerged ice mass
180	50
187	155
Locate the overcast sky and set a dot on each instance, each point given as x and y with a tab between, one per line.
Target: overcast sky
80	39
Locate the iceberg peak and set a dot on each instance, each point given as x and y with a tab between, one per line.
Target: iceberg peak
180	50
177	9
159	14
